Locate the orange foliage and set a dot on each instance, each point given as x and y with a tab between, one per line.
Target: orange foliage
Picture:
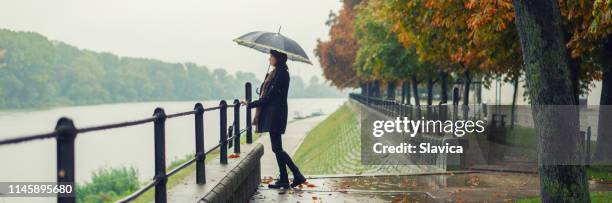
460	35
337	55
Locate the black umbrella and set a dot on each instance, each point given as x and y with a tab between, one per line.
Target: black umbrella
266	41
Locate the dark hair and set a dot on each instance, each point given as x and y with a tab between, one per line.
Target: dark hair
281	58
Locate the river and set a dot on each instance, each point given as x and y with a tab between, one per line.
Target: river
131	146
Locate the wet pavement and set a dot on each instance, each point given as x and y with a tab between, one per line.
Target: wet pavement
268	195
451	187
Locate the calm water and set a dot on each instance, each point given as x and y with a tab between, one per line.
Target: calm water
133	146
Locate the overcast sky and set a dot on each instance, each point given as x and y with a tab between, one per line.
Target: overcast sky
199	31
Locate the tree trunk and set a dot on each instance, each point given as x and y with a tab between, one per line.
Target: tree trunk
466	90
444	88
406	92
603	152
364	87
403	90
369	92
479	92
415	90
391	90
549	80
514	94
575	74
430	84
376	89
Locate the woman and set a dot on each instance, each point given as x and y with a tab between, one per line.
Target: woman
272	117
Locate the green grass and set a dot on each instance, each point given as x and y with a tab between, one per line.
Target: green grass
328	143
334	147
596	197
526	137
108	184
522	136
600	173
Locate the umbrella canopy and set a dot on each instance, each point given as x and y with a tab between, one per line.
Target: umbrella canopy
266	41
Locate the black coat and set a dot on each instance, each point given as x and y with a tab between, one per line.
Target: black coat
273	104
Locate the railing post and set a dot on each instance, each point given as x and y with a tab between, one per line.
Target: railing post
248	97
199	144
66	133
160	154
367	100
230	139
236	126
223	131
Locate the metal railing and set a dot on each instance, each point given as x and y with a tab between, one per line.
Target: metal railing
393	108
65	134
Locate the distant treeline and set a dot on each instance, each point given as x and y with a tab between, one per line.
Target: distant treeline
37	72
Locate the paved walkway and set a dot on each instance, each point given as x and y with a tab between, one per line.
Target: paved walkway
293	137
468	186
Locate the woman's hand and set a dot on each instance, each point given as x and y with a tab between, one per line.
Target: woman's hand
244	103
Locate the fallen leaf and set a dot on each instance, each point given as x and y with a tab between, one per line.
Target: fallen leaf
397	199
267	180
474	181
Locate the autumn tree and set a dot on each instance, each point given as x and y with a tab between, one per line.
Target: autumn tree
549	79
337	55
440	35
380	55
588	27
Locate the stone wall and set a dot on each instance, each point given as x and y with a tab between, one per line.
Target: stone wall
240	182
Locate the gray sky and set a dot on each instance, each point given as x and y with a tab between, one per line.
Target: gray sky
199	31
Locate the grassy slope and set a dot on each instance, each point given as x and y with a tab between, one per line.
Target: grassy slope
332	146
